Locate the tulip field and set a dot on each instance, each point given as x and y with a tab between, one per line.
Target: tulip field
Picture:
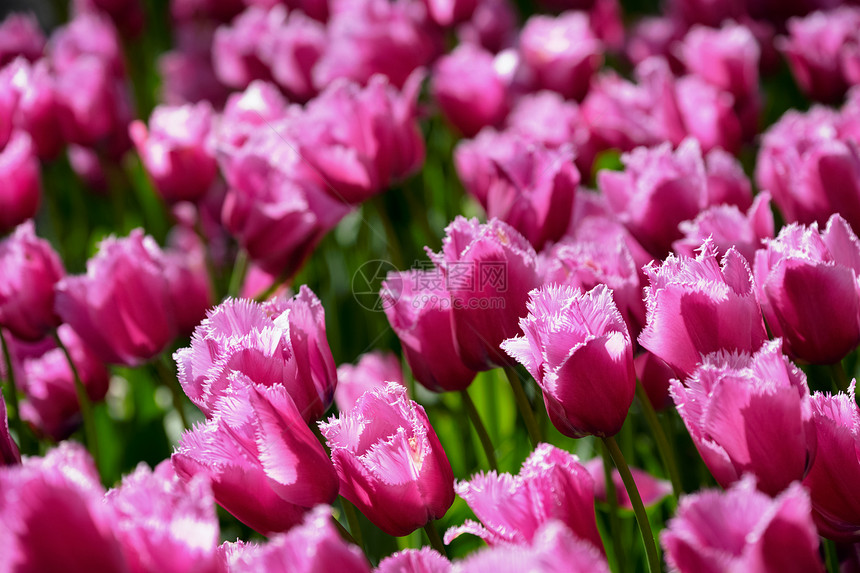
429	286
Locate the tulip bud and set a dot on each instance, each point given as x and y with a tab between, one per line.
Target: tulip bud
577	348
29	269
176	152
121	308
552	485
20	181
696	306
265	465
832	480
563	53
807	285
738	405
742	529
281	344
374	370
390	462
419	309
489	270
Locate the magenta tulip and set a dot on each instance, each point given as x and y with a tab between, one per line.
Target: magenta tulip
310	547
552	485
281	343
374	370
654	375
237	49
728	227
807	286
469	89
449	12
727	58
419	308
29	269
554	548
87	35
390	462
20	181
577	347
738	405
424	560
265	465
20	35
164	524
36	111
520	182
187	73
49	385
293	51
493	26
121	308
488	270
651	489
698	306
562	53
834	474
52	517
176	151
187	275
742	529
660	188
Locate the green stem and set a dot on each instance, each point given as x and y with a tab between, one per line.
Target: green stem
84	402
523	405
666	451
636	501
12	391
435	540
830	556
480	429
840	378
240	269
612	499
165	370
352	519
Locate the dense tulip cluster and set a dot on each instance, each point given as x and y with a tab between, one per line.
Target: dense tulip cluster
285	252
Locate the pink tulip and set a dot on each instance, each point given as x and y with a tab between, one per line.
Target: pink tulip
553	549
374	370
390	462
20	181
293	51
738	405
493	26
728	227
563	53
520	182
807	285
9	454
552	485
52	402
187	276
184	11
488	270
727	58
424	560
449	12
176	151
810	162
164	524
708	114
469	89
187	73
237	52
369	37
361	140
36	111
654	375
29	269
20	35
265	465
87	35
121	307
832	479
697	306
127	15
282	343
742	529
548	118
656	36
815	48
244	115
419	309
52	517
652	489
577	347
310	547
